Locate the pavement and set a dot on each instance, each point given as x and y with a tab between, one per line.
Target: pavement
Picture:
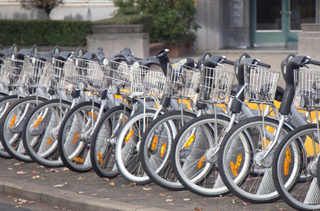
64	189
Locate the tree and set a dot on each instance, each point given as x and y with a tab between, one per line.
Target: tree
47	5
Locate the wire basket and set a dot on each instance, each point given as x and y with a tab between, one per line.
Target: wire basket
92	75
64	74
118	77
217	84
5	71
182	81
40	73
147	81
261	83
307	84
18	75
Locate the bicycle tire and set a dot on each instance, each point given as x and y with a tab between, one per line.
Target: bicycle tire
39	133
5	103
294	171
238	170
74	151
103	141
157	163
10	133
198	174
127	149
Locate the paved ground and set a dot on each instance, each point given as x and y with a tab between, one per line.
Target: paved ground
73	191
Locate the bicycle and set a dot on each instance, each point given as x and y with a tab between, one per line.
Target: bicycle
295	171
247	150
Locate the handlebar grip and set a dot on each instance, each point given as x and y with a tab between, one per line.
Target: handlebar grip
314	62
228	62
264	65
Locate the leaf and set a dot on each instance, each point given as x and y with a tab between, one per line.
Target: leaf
132	195
65	169
93	194
80	192
18	164
123	185
81	178
101	189
246	203
35	172
147	188
233	200
133	184
18	206
282	209
53	170
169	200
10	169
186	199
171	204
58	186
197	209
39	166
162	194
21	172
105	179
112	184
36	177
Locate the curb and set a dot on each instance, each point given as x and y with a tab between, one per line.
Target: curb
66	199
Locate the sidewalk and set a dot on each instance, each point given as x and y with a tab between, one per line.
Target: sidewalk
88	192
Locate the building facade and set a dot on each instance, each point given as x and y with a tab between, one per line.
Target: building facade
224	23
252	23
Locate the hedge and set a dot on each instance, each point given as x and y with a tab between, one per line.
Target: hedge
61	33
44	32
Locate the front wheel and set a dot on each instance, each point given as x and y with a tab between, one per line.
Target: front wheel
295	169
197	171
156	161
40	131
127	148
74	136
11	126
239	160
104	139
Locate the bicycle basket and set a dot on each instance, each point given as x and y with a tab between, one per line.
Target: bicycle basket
64	75
182	81
307	84
147	81
261	83
217	84
118	77
19	71
92	75
40	73
5	71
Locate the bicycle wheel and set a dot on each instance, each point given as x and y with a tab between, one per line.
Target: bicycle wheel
195	169
295	169
11	126
74	136
103	141
155	161
40	132
238	156
5	103
128	145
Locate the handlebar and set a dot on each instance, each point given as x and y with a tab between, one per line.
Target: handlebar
263	65
228	62
314	62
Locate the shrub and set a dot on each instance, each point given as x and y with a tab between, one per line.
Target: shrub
44	32
173	20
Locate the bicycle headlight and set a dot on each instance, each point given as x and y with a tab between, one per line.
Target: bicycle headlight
136	65
105	62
